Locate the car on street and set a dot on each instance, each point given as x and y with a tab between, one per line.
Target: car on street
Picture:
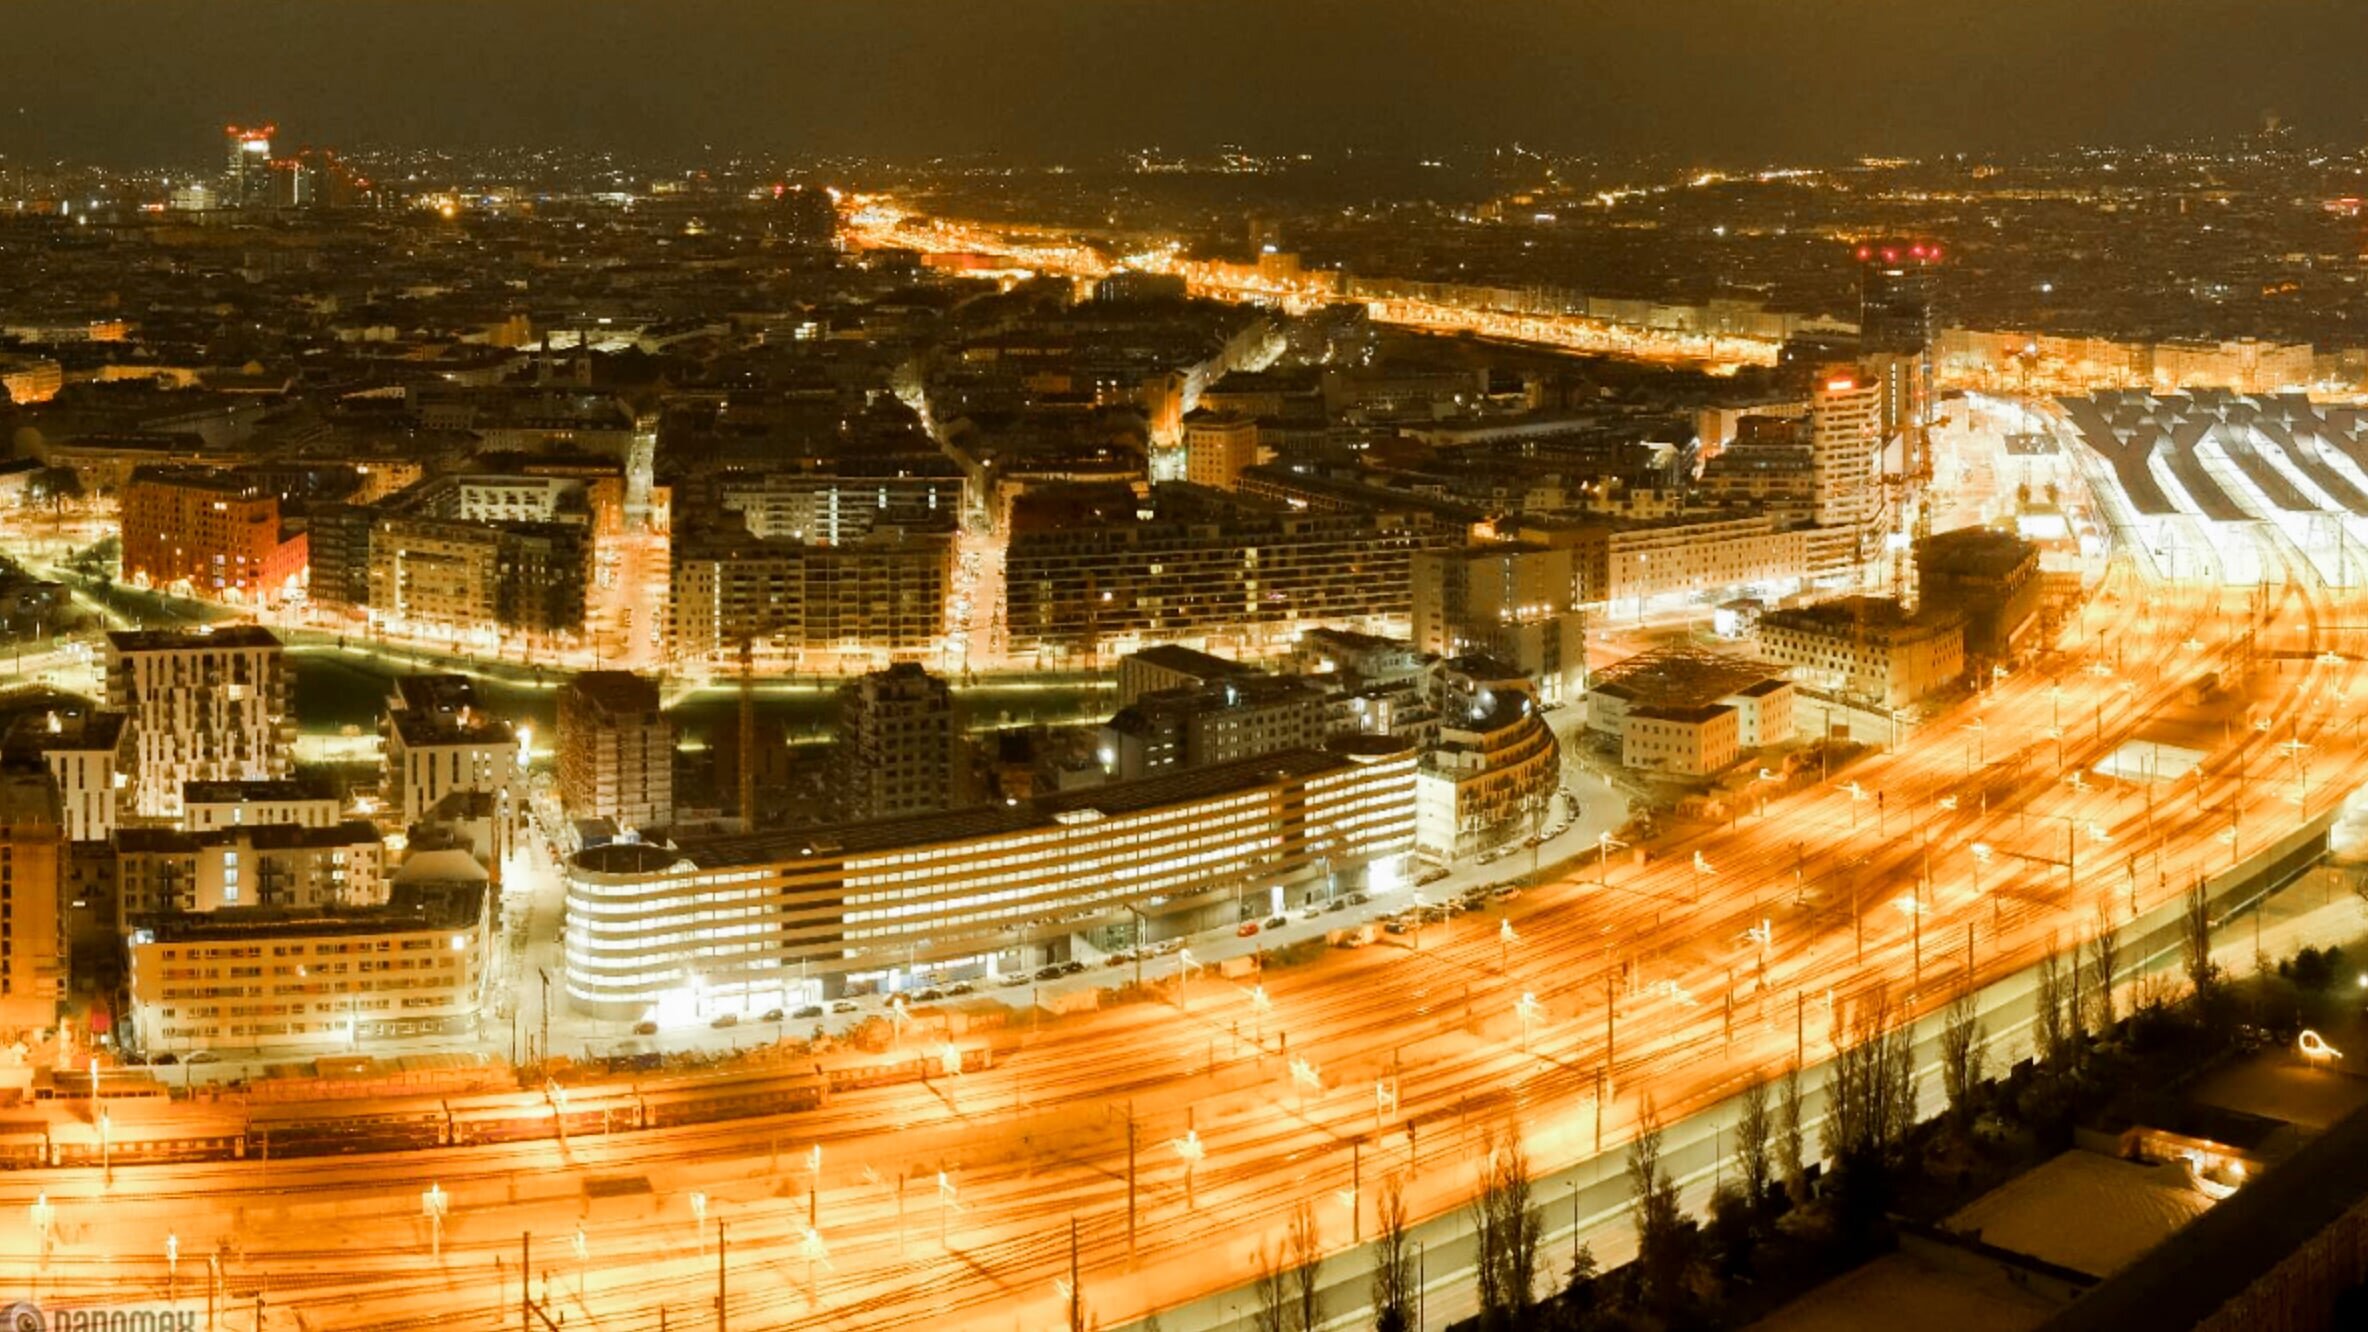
202	1057
960	987
1246	928
805	1011
1014	979
771	1015
928	995
1358	898
723	1020
645	1027
1277	922
1072	967
842	1006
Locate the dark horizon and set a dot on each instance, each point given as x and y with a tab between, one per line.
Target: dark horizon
1716	81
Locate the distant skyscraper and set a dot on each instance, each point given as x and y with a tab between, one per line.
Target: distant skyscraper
1895	284
246	175
1897	333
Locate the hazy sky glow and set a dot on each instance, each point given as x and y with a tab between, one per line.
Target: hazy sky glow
142	80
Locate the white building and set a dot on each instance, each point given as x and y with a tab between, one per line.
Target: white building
757	921
206	705
209	805
92	756
320	981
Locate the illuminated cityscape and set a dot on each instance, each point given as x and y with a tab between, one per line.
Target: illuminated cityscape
1452	721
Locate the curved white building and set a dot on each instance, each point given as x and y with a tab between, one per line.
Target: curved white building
762	920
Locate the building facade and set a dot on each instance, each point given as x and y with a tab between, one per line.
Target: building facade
91	756
321	981
1514	601
164	871
209	534
615	750
900	749
301	801
33	952
885	594
753	922
204	706
1867	649
1490	777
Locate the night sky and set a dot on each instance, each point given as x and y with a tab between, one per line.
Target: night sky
1046	80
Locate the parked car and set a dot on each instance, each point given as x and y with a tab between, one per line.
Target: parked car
1048	973
645	1027
723	1020
1016	978
961	987
842	1006
1395	925
202	1057
1358	899
1277	922
1246	928
1504	892
771	1015
928	994
166	1060
805	1011
1072	967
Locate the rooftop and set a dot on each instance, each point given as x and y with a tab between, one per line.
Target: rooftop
409	906
186	640
1681	677
260	791
1050	810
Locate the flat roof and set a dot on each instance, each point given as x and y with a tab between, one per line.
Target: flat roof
180	640
1681	677
1044	811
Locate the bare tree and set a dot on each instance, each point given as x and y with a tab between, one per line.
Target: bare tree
1393	1262
1789	1141
2102	956
2196	943
1754	1127
1508	1227
1307	1261
1272	1291
1961	1053
1870	1085
2055	1042
1660	1225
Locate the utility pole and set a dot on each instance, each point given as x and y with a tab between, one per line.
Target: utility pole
719	1274
543	1051
1130	1183
747	734
1076	1292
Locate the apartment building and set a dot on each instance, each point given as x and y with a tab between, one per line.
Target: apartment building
205	705
615	750
91	756
313	980
885	593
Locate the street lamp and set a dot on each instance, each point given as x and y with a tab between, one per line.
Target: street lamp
1189	1148
698	1201
1504	944
1260	1006
433	1204
43	1217
172	1267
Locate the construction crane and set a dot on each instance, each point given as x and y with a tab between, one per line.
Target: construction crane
747	734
